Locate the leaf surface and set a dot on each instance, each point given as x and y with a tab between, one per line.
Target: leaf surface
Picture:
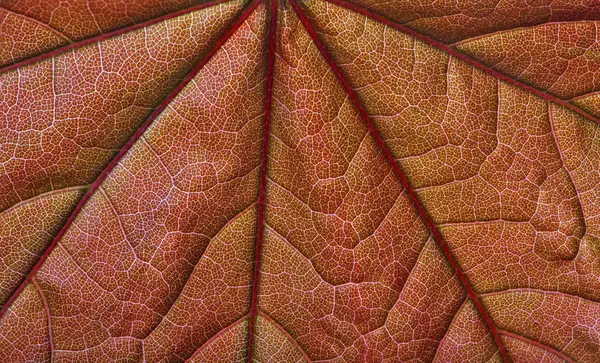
299	181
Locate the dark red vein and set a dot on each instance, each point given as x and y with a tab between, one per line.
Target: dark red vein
517	28
465	58
212	239
446	334
140	131
40	23
567	170
559	354
437	236
290	338
217	335
585	95
263	178
114	33
48	316
41	196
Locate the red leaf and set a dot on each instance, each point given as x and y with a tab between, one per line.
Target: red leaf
298	181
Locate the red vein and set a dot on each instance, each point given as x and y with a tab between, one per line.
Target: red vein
112	34
537	291
140	131
287	335
40	23
537	344
443	340
48	316
211	241
564	165
437	236
263	178
465	58
585	95
517	28
42	196
214	337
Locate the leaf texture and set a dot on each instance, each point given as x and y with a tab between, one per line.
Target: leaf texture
299	181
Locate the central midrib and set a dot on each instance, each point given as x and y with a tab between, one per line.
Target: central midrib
263	178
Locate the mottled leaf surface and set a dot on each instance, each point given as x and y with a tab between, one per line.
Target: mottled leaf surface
299	181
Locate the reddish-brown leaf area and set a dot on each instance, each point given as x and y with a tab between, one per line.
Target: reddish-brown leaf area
299	181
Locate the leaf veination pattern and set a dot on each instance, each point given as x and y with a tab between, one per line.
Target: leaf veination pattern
299	181
138	134
388	155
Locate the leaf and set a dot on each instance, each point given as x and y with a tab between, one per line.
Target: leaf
299	181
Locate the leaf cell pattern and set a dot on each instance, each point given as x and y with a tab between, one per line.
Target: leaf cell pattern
299	181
